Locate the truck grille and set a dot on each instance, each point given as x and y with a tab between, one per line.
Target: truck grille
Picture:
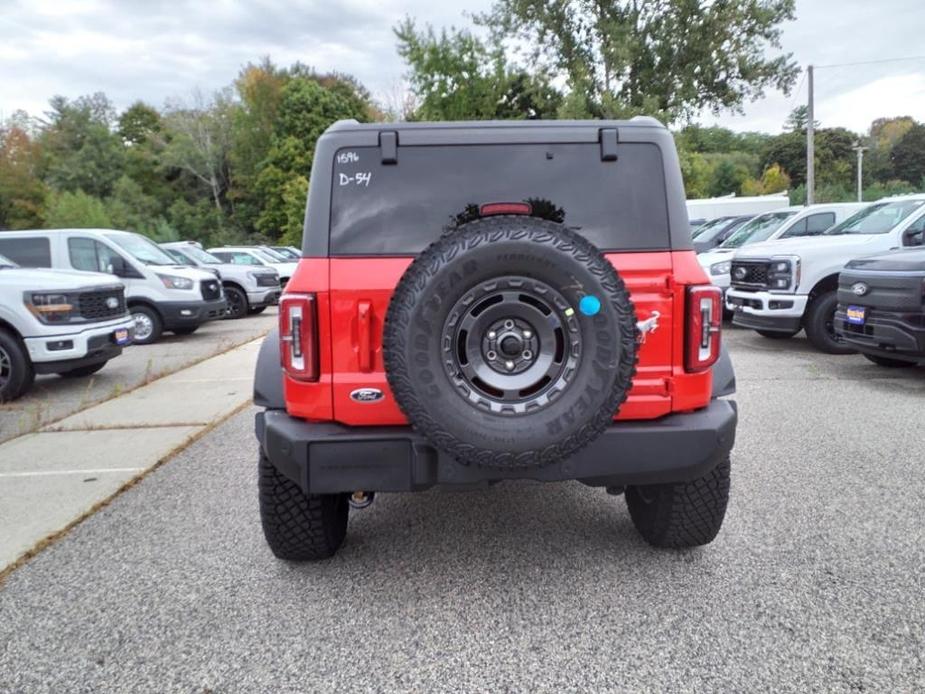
267	280
750	274
101	303
211	290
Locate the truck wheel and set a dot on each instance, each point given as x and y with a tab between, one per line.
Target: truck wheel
16	373
83	370
685	514
148	325
774	335
819	323
889	363
299	526
237	302
510	343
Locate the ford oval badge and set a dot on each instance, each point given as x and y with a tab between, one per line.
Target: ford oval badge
859	288
366	395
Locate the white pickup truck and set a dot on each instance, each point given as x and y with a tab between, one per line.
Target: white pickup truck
783	286
57	322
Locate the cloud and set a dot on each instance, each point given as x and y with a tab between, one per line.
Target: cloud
157	50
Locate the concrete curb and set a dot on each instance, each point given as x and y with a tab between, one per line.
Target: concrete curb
52	479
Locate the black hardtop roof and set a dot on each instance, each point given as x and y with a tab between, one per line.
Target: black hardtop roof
636	122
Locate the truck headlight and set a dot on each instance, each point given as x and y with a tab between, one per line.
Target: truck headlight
175	282
49	307
784	273
721	268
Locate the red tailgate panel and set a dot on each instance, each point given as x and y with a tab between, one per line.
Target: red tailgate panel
362	287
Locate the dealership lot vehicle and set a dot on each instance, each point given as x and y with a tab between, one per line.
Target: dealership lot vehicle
160	294
289	252
712	234
255	256
781	287
248	290
57	322
881	305
790	222
510	342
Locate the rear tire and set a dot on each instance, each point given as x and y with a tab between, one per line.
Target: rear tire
83	371
774	335
819	324
16	372
299	526
889	363
685	514
148	325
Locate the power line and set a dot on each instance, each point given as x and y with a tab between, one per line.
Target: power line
872	62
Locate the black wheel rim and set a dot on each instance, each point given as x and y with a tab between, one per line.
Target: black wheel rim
235	303
511	345
6	367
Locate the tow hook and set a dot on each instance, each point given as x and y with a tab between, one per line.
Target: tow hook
649	325
361	499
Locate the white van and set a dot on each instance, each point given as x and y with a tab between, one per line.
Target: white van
161	295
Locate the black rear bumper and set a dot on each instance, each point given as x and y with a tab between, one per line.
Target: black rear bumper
326	457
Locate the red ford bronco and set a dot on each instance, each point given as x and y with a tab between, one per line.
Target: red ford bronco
488	301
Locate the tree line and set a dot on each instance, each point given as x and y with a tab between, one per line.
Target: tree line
233	166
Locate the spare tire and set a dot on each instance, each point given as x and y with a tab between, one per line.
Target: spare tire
510	342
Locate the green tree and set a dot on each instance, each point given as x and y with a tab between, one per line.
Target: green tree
200	140
798	120
908	155
457	76
306	110
76	210
22	192
81	150
671	58
727	178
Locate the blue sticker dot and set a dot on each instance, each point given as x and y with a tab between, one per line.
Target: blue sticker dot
589	305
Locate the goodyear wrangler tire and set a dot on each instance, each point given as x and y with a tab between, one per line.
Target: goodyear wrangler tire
510	342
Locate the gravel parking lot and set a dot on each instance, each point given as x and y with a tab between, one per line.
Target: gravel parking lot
54	397
815	582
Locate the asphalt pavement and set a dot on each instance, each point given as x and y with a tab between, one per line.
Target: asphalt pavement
816	581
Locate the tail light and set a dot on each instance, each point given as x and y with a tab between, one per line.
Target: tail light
704	323
298	334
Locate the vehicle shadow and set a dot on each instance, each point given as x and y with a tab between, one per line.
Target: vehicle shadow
509	537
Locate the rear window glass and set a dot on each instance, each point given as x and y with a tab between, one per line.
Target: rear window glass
400	209
27	252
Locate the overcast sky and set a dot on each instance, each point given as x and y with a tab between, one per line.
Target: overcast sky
133	49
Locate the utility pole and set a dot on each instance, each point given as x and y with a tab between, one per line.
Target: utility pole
810	145
860	150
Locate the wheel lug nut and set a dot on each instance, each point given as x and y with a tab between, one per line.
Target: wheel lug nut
491	356
492	335
527	354
508	324
509	364
527	334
